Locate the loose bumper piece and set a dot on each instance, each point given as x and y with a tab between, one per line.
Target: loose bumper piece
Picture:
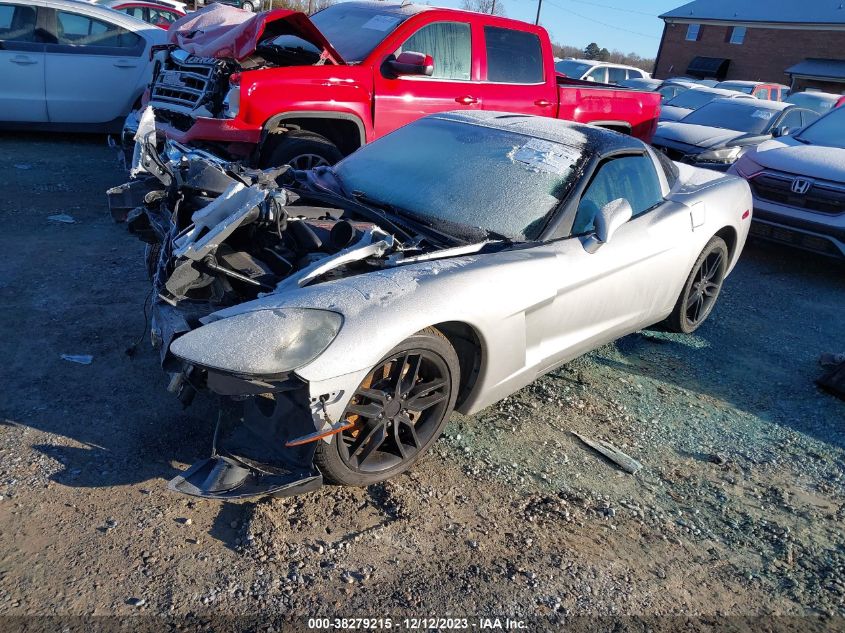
224	478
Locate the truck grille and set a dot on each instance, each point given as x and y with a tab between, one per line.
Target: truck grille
822	197
183	84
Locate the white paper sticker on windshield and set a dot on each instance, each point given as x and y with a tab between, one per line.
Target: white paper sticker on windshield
381	23
763	114
545	156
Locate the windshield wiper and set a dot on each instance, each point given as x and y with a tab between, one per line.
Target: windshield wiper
427	230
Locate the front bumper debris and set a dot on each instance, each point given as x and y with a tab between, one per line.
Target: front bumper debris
250	457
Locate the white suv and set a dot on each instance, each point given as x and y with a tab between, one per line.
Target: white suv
601	72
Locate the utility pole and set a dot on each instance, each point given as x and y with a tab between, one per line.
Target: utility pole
493	8
539	6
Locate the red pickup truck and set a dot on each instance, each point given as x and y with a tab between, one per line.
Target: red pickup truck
278	87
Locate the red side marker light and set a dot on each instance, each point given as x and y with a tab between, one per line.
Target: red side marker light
746	214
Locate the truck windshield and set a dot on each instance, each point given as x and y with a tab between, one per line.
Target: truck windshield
828	131
448	173
354	29
741	115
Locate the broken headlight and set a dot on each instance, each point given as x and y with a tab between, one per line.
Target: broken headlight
260	343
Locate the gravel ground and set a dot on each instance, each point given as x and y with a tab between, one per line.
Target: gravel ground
738	510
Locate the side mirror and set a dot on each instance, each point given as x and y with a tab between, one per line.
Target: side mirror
409	63
590	78
610	217
781	130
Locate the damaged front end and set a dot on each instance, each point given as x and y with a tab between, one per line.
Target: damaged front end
219	235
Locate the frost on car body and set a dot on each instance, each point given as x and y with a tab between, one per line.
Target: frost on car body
340	314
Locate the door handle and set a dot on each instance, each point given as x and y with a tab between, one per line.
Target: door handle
124	64
543	103
466	100
23	60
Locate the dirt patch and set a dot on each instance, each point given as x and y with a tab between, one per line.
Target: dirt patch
737	511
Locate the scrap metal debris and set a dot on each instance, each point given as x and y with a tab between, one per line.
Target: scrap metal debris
82	359
833	380
64	218
625	462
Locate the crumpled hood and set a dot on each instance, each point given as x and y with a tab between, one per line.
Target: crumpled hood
697	135
787	154
219	30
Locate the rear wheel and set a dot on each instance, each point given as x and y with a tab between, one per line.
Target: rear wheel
248	5
399	411
300	150
701	289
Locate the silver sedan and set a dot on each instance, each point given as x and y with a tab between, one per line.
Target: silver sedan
343	313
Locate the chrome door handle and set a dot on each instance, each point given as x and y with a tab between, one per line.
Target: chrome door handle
543	103
466	100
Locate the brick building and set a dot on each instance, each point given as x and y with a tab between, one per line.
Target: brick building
781	41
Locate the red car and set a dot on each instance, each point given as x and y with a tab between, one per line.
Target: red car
158	14
280	88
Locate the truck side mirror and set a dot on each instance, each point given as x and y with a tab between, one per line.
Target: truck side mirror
781	130
409	63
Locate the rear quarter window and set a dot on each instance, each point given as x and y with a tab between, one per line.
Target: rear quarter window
513	57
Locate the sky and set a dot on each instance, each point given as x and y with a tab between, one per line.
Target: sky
631	26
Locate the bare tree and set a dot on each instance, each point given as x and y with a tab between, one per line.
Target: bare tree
306	6
495	7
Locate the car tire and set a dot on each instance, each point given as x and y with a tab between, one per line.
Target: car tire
300	150
248	6
701	289
390	445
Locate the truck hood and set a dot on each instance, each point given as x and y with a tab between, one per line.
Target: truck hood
219	30
701	136
793	157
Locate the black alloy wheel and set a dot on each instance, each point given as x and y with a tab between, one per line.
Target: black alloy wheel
397	412
702	288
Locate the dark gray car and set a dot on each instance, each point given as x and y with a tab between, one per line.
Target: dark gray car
717	134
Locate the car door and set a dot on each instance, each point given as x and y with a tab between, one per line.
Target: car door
598	74
616	74
631	281
400	100
514	74
22	98
93	70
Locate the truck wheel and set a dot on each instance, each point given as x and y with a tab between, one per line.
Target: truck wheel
300	150
247	5
398	412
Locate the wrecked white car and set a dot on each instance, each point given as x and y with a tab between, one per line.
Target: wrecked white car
341	314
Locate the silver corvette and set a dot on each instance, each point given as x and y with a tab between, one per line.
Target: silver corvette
341	314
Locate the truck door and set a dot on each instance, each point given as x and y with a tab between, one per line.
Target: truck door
400	100
21	65
517	79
